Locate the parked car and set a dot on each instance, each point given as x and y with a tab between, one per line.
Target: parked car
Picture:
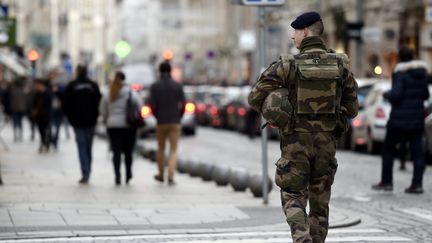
207	99
370	128
346	141
139	76
219	112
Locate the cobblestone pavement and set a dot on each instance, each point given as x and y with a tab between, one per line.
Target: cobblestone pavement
42	202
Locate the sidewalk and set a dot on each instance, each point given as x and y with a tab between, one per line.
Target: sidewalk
41	198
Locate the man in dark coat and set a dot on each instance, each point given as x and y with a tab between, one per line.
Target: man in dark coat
81	106
167	101
409	91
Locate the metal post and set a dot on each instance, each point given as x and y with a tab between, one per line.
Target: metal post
33	70
261	13
359	49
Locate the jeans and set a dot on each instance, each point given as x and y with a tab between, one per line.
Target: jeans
56	121
84	139
394	137
17	125
44	133
122	141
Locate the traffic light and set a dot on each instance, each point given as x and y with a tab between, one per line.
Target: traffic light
168	54
122	49
33	55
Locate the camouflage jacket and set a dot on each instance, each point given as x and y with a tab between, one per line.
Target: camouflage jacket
278	74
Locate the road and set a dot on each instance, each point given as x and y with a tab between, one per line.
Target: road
409	215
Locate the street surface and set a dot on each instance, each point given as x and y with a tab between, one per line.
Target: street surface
41	200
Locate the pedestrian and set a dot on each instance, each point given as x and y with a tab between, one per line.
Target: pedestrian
406	123
309	97
122	136
41	112
167	101
18	95
56	113
402	154
81	106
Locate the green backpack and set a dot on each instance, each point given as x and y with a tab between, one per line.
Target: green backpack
315	90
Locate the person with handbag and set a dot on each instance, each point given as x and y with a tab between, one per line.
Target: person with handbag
121	132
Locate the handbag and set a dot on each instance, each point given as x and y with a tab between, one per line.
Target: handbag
133	113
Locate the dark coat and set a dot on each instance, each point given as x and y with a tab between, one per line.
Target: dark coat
407	95
41	106
167	101
81	103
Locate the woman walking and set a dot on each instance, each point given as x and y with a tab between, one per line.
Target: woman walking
122	136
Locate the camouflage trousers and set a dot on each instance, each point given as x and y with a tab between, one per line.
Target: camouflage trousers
305	172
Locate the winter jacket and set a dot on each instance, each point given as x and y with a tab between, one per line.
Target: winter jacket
41	106
167	101
407	95
18	98
114	113
81	103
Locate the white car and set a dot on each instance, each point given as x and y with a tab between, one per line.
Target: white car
369	127
364	86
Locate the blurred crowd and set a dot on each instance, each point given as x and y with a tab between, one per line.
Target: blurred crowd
40	103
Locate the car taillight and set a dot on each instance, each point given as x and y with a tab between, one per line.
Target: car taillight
146	111
136	87
189	108
241	111
357	123
201	107
379	113
213	110
230	109
360	141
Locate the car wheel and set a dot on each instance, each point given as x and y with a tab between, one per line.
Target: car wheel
355	147
190	131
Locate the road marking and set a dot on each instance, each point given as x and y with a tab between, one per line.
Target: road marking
242	237
417	212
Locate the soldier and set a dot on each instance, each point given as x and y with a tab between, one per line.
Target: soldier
309	97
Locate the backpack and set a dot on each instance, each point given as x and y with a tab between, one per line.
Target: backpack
315	84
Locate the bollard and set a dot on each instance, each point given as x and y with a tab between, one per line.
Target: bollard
181	165
256	187
239	179
142	151
152	154
205	171
193	168
220	175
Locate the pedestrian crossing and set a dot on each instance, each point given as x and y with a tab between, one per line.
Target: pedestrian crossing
416	212
335	235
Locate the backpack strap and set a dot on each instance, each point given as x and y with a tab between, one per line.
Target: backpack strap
289	69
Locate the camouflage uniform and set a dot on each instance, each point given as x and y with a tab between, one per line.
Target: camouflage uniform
306	169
